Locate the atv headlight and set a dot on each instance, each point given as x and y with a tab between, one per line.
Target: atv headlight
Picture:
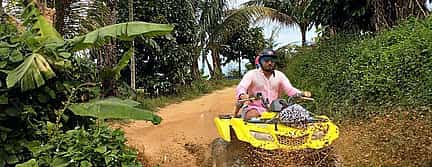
261	136
319	134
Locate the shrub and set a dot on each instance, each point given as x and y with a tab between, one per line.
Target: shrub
358	75
94	146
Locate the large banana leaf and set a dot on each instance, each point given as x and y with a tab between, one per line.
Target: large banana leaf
123	31
46	32
124	61
30	74
114	108
29	163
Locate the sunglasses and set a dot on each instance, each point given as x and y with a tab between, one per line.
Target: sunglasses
267	59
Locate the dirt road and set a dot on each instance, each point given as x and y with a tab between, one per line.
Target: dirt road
187	129
183	138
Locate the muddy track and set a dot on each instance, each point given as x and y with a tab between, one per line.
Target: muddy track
184	136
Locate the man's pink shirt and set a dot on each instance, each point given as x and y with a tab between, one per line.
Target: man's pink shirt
272	88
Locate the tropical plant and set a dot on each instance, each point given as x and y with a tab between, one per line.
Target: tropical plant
39	83
93	146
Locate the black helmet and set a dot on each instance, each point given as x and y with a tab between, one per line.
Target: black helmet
265	54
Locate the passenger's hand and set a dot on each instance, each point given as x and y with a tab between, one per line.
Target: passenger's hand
307	94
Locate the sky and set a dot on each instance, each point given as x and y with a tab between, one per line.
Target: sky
286	34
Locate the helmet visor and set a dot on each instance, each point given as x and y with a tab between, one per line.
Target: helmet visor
268	58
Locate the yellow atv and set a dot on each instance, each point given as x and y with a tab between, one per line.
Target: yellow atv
272	135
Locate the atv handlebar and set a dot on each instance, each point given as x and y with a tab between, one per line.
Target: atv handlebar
259	98
249	99
307	98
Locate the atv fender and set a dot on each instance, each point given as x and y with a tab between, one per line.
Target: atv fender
241	130
223	128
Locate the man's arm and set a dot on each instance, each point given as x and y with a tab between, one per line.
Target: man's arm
241	91
244	84
287	87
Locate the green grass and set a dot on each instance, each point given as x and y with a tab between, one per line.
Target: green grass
196	89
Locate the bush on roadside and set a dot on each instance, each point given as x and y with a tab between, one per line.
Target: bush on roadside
352	75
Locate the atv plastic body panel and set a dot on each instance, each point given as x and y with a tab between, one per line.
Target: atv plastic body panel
282	136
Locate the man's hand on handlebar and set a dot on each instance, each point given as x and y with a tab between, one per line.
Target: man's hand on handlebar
244	98
307	94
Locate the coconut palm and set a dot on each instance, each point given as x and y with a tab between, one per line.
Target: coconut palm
218	24
295	13
271	41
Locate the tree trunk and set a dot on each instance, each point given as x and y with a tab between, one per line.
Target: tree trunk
109	53
216	64
110	50
1	12
62	8
133	73
303	29
240	58
195	68
211	71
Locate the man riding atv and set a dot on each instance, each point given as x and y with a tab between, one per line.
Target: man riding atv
267	130
265	80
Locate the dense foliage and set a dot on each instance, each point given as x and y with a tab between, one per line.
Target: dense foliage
365	15
163	69
86	147
246	43
392	68
43	86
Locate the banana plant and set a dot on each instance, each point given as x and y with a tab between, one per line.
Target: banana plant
42	52
114	108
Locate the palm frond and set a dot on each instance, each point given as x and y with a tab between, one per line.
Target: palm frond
249	15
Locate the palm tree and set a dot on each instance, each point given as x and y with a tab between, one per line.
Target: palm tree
295	13
218	24
271	41
62	7
211	15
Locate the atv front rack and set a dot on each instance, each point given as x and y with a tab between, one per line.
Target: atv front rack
272	121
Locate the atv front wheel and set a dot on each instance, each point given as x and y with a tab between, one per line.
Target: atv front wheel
326	157
219	153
